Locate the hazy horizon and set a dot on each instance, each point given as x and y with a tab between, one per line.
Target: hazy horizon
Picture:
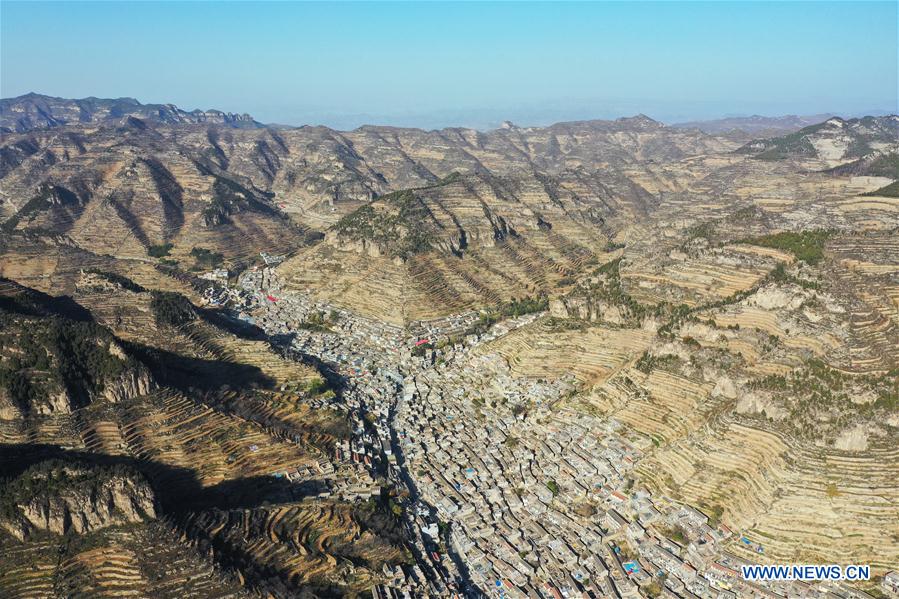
486	119
435	65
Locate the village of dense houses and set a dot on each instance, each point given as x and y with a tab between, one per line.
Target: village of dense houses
504	492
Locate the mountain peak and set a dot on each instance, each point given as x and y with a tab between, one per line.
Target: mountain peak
640	120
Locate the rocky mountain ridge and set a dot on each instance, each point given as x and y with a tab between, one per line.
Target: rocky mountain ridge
36	111
834	140
53	364
132	189
58	497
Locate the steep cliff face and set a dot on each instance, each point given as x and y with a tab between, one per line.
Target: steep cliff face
52	364
134	382
60	497
57	366
587	308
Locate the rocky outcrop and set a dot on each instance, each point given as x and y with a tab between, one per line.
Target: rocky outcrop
132	383
64	364
8	408
789	297
760	403
586	308
55	403
853	439
60	497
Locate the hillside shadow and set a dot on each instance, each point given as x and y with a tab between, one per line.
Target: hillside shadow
177	489
185	372
252	492
179	496
335	380
31	302
235	326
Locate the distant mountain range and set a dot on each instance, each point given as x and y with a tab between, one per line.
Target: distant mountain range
755	124
35	111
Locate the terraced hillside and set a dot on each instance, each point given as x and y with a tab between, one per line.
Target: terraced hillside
126	192
773	407
744	337
208	419
149	559
304	544
74	527
732	313
314	174
466	242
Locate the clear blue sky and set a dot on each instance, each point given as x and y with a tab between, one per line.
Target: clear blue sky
431	64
